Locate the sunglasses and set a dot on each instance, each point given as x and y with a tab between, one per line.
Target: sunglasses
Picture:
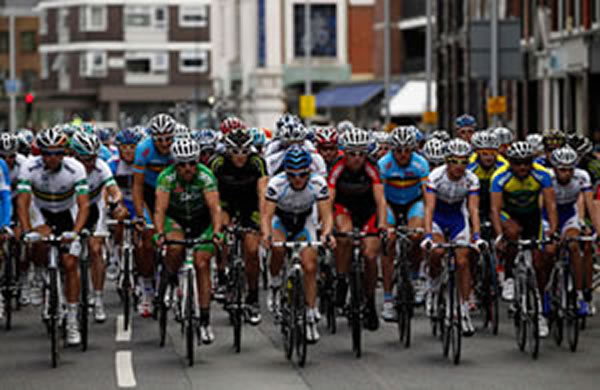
302	174
327	148
458	161
402	150
356	153
127	146
187	164
239	151
163	140
521	162
86	158
58	152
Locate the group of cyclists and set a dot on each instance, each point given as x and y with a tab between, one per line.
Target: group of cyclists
297	183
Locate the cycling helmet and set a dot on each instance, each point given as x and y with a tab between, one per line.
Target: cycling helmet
104	134
25	138
419	135
520	150
326	135
85	144
185	150
51	138
258	137
162	124
582	145
380	137
232	123
484	140
536	141
404	137
564	157
206	138
554	137
344	126
285	120
434	151
293	133
297	158
68	129
465	120
442	135
356	138
87	127
238	139
128	136
181	131
505	136
458	148
8	144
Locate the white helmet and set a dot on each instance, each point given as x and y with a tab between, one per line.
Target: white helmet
505	136
564	157
182	131
434	151
162	124
185	150
536	141
356	138
293	133
520	150
485	140
404	136
8	144
344	126
459	148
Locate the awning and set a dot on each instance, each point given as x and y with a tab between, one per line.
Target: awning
410	99
355	95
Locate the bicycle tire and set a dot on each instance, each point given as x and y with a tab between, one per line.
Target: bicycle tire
7	290
571	318
355	309
126	290
189	318
53	316
163	310
494	301
400	304
520	316
533	333
300	320
238	309
84	304
456	326
557	314
287	320
445	321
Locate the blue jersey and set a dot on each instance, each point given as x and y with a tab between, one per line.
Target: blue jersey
403	185
543	161
5	199
149	162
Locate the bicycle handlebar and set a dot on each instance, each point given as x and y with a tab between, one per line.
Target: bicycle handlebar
297	244
32	237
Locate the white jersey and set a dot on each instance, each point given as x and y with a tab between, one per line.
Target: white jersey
568	194
53	191
451	194
123	174
277	146
290	201
275	163
14	172
98	178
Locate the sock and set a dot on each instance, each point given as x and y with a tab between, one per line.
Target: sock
148	286
579	295
252	297
275	281
204	316
98	296
72	312
388	297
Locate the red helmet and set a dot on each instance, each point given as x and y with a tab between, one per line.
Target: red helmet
232	123
326	135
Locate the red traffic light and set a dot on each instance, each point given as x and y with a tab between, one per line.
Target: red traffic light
29	98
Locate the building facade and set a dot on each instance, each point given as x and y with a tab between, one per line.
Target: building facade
111	59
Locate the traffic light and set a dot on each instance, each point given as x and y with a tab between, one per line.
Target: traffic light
28	106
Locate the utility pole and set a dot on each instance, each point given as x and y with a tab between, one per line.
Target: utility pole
428	59
386	60
12	66
494	54
307	52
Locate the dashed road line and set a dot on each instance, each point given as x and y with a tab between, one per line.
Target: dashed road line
122	335
124	366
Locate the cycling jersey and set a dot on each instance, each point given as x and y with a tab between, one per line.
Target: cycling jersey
484	176
149	162
354	190
238	187
521	195
592	167
186	199
403	185
6	202
277	146
566	198
295	207
98	178
14	172
275	163
105	154
543	161
451	215
54	191
474	157
123	174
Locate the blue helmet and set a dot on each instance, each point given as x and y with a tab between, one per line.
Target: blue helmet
258	137
104	134
128	136
419	135
206	138
465	120
297	158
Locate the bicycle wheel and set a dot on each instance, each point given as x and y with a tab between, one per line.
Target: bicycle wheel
288	314
533	334
446	319
571	317
189	318
126	289
404	303
300	319
494	296
7	289
238	308
456	327
53	315
557	313
163	310
356	311
84	304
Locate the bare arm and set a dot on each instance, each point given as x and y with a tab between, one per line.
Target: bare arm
214	206
473	203
379	196
550	204
261	188
160	210
592	208
266	217
114	193
326	216
495	209
83	202
138	193
429	209
23	203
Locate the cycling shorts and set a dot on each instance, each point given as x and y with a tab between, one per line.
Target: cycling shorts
60	222
567	219
204	234
530	223
397	212
368	226
307	233
453	225
132	214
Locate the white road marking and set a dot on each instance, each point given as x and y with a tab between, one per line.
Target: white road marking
124	366
122	334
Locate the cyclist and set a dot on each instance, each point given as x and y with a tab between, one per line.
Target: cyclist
569	182
434	152
537	143
442	135
586	159
103	192
380	145
242	177
327	145
465	126
451	201
290	198
404	173
187	202
105	135
152	155
259	139
182	131
515	212
505	138
356	193
5	212
55	188
208	141
553	139
25	138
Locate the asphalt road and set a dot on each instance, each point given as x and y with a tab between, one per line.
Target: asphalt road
489	362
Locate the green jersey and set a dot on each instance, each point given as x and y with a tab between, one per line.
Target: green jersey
186	199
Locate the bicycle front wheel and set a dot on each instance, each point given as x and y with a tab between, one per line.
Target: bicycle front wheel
533	334
356	312
572	319
300	319
53	313
456	327
84	304
189	318
238	309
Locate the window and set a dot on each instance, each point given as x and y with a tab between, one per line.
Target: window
43	22
28	41
193	16
138	65
160	16
92	18
161	63
93	64
29	78
138	16
323	30
4	44
193	62
43	66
